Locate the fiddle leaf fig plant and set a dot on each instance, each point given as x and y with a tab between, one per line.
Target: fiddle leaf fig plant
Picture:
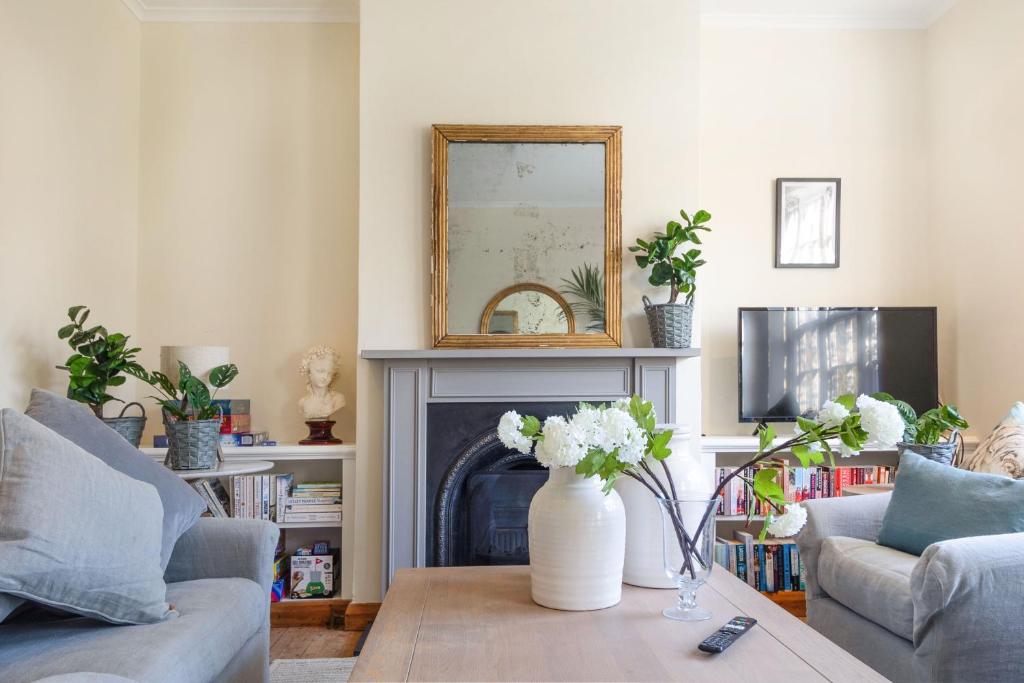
677	270
191	399
101	359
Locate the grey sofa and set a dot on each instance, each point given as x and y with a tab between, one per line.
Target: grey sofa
219	580
956	613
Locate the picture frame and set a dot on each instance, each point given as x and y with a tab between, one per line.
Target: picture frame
807	212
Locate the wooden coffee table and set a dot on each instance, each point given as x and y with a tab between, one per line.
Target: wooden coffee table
479	624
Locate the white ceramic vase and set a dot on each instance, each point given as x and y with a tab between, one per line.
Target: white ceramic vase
577	540
644	563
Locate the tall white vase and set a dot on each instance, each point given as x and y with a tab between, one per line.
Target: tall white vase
644	563
577	539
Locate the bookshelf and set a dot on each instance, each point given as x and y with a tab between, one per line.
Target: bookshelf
309	463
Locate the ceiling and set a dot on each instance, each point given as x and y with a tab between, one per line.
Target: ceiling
909	14
906	14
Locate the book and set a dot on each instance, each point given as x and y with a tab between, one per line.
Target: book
311	500
244	439
312	517
232	406
312	508
236	424
747	539
283	488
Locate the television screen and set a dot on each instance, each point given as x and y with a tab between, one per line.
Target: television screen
792	360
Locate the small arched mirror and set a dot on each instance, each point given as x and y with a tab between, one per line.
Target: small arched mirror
528	308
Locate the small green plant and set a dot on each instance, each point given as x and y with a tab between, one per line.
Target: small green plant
191	399
101	359
679	272
587	285
928	428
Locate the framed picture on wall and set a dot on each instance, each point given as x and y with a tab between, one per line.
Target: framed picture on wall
807	222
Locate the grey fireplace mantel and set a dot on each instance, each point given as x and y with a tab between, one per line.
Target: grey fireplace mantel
670	378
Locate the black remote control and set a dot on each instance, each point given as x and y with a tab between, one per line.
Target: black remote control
727	635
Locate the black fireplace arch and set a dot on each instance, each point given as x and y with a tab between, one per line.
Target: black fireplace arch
485	457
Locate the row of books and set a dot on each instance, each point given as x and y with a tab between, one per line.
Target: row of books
802	483
275	497
769	566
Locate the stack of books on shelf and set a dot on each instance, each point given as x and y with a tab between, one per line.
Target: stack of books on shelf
769	566
311	502
257	496
218	502
236	424
803	483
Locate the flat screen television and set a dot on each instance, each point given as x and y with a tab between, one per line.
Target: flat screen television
792	360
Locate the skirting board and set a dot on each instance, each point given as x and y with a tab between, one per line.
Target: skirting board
305	612
359	614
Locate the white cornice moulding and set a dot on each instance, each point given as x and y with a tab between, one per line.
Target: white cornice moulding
812	21
242	14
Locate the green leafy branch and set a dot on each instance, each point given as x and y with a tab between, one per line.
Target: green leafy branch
928	428
191	399
587	285
679	272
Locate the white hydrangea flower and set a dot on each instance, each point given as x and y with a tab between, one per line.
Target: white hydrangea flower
590	424
562	445
882	422
625	434
621	404
789	523
510	433
832	414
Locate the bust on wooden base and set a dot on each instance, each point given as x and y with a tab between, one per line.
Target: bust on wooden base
320	367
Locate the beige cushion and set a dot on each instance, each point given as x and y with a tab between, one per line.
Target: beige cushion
871	580
1002	452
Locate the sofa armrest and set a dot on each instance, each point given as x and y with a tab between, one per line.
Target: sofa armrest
968	597
225	548
852	516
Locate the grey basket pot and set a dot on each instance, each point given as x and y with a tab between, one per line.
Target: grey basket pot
192	444
942	453
671	324
130	427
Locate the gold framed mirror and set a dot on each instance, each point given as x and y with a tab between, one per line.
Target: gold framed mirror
526	236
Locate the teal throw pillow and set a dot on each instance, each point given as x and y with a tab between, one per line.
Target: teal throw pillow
933	502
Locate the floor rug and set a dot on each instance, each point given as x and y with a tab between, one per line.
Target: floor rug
311	670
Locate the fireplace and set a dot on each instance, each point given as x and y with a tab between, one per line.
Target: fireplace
451	493
478	491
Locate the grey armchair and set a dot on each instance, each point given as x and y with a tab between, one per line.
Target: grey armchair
952	614
219	580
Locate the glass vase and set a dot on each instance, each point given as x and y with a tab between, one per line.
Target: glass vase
688	544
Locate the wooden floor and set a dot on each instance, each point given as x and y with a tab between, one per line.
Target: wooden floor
311	642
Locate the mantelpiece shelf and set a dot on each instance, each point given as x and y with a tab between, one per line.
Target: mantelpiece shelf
510	354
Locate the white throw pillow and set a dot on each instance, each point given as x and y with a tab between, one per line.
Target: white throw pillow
1002	452
76	534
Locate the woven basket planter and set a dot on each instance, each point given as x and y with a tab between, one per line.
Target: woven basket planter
671	324
130	427
942	453
192	444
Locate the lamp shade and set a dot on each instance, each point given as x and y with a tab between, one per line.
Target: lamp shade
199	359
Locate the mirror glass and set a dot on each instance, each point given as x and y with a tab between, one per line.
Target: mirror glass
529	214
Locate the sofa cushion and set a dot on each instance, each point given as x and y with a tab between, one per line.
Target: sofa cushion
74	533
8	603
933	502
1002	451
871	580
76	423
217	617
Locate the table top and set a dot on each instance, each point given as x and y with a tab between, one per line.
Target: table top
228	468
479	624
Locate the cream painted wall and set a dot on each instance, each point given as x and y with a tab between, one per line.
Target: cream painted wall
69	103
809	103
975	125
248	203
511	61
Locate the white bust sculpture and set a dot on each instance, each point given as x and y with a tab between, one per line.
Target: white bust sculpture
320	366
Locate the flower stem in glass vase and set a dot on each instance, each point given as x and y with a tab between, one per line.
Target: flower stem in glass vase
688	525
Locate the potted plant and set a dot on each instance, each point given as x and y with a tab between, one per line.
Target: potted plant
101	359
191	418
672	323
935	434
